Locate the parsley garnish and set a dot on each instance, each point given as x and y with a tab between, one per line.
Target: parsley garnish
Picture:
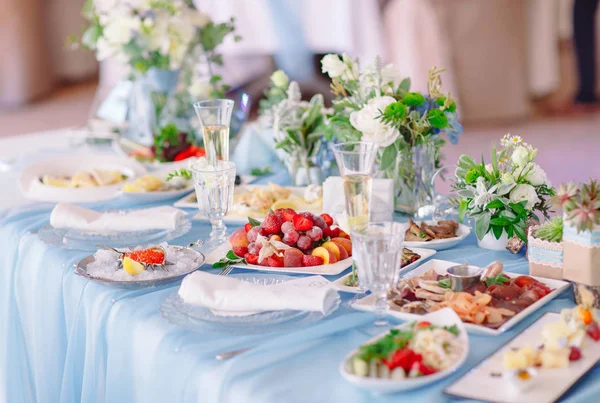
499	279
229	259
395	340
182	173
444	283
261	171
452	329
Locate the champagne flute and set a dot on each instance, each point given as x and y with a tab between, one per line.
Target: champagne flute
355	161
214	184
215	120
377	248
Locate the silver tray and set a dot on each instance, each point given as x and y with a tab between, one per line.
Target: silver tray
81	270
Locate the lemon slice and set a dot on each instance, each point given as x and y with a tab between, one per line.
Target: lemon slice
286	203
132	267
56	182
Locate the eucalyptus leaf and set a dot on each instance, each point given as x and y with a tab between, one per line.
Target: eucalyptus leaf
505	188
508	215
405	84
389	156
466	193
482	224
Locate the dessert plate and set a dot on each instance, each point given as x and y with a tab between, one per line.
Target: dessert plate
441	244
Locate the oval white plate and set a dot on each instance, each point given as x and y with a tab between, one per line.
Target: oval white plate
33	189
151	197
440	244
443	317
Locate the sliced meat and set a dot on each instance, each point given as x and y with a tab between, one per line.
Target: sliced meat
505	292
479	286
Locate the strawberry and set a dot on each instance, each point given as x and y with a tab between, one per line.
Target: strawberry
331	232
302	223
309	260
251	258
308	215
327	218
271	224
286	214
575	354
240	250
593	331
247	227
275	261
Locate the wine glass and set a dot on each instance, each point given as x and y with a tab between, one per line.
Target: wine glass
214	183
356	161
215	120
378	251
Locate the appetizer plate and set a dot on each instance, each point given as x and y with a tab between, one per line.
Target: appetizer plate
324	269
549	385
242	218
443	317
157	196
197	260
440	244
340	283
440	266
33	189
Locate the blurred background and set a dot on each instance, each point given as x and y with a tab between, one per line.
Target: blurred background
512	64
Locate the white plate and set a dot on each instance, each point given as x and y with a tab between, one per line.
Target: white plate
443	317
548	386
440	244
33	189
425	253
242	218
152	197
324	269
440	266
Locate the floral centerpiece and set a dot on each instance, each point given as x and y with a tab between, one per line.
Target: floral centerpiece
157	39
581	234
297	128
503	195
376	105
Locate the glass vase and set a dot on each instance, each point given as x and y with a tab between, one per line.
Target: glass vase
412	173
305	170
149	95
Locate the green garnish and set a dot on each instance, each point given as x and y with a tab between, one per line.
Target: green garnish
182	173
253	222
422	235
352	280
452	329
261	171
382	348
229	259
499	279
168	136
444	283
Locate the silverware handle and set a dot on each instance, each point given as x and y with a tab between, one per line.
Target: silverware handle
230	354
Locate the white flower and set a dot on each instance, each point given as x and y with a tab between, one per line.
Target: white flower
373	129
351	72
524	192
196	18
103	49
105	6
533	174
332	65
483	195
507	178
509	140
520	156
390	74
200	89
489	168
280	79
121	29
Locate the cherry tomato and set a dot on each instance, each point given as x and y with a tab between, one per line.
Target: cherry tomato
524	281
422	324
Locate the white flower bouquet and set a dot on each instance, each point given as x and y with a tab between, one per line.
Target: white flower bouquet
503	195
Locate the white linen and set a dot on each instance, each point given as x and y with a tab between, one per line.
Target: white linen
71	216
228	296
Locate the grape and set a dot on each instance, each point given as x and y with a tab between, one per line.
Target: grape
287	227
319	221
304	242
315	233
253	233
252	248
291	237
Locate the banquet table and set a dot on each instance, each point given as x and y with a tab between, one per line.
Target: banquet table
66	339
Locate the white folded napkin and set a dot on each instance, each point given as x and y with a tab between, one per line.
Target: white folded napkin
228	296
71	216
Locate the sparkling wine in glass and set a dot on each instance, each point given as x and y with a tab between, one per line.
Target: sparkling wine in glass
215	120
357	189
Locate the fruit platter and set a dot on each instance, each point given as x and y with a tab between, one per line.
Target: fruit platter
410	355
494	302
141	266
287	241
541	363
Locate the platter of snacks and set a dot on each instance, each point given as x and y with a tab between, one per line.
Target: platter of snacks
493	301
540	364
438	235
287	242
256	201
142	266
155	187
411	258
78	179
410	355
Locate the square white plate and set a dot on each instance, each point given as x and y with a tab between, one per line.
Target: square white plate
324	269
440	266
440	244
340	283
548	386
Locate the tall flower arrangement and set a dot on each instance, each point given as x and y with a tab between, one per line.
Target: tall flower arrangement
502	195
297	128
375	104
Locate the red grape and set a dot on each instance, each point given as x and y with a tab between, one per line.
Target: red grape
304	242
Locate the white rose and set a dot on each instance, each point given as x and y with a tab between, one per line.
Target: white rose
520	157
332	65
120	30
366	121
524	192
280	79
196	18
533	174
390	74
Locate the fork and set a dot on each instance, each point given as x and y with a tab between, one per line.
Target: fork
226	271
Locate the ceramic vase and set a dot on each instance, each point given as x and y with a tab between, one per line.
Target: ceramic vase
490	242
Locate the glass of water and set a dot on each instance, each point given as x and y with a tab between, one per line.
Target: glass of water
378	252
214	183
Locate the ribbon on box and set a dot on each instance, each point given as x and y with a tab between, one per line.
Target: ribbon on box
588	239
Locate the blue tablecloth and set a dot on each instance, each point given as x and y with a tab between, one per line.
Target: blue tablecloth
66	339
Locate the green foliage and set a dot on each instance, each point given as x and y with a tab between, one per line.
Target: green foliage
261	171
414	99
499	280
437	119
551	231
229	260
181	173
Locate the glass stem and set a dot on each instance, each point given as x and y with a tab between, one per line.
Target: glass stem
381	308
219	231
